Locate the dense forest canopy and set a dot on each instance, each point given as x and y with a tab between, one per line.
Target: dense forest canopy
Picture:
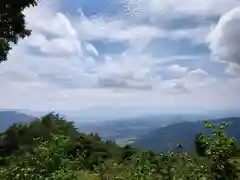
51	148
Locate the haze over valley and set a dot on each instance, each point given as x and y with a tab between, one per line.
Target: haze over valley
140	126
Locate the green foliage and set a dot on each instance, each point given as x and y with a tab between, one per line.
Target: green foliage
12	23
219	149
50	148
46	161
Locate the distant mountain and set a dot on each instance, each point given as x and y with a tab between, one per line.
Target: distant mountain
7	118
108	113
164	138
131	128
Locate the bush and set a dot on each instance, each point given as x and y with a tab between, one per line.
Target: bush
65	154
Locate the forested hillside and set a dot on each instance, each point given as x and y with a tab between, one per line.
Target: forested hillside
50	148
7	118
163	138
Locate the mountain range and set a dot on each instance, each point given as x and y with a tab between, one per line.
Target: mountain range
7	118
154	132
132	128
110	113
166	138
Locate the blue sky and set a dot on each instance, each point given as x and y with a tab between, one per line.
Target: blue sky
85	53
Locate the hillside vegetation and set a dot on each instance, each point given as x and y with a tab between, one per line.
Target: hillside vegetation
184	133
50	148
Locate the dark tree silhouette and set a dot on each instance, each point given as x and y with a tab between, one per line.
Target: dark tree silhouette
12	24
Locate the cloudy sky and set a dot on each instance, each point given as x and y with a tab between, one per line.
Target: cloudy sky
86	53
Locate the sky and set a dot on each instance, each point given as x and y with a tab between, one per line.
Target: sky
85	53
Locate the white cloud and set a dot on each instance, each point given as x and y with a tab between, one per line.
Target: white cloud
176	70
157	9
191	81
45	18
197	78
58	67
119	30
57	46
126	72
175	87
233	69
197	35
44	96
91	49
101	28
53	32
225	37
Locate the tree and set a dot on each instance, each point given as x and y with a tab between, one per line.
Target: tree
201	144
219	149
12	23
